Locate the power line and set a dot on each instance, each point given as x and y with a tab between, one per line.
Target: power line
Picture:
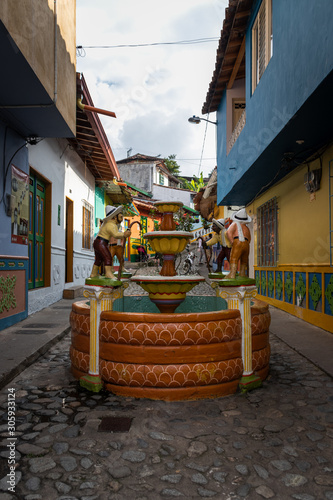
194	41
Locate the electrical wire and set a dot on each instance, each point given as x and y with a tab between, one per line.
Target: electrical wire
81	48
203	147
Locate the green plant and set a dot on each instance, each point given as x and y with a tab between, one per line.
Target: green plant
196	183
184	221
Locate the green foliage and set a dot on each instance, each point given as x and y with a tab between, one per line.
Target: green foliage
184	221
196	183
172	165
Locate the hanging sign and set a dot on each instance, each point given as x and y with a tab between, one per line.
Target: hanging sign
20	206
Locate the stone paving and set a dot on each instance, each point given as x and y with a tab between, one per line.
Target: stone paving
274	442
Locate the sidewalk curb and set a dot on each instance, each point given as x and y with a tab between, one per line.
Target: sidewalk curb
9	376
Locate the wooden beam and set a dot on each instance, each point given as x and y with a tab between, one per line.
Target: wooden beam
237	64
243	13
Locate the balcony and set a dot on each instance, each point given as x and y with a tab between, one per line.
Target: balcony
237	130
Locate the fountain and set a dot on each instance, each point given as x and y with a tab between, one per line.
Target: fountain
168	290
170	346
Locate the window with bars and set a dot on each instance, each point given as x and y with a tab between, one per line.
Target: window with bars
87	226
267	233
262	41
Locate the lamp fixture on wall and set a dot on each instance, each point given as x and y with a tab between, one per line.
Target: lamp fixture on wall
312	179
197	120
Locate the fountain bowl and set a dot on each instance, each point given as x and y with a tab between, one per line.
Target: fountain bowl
168	206
168	242
170	357
167	292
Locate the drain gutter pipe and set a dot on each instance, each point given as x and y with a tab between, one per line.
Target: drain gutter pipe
85	107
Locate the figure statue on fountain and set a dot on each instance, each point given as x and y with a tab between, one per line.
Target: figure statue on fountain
110	228
219	227
239	234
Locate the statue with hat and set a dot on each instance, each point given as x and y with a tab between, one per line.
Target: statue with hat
109	228
219	227
239	234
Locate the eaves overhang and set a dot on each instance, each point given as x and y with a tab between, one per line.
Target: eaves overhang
25	105
118	193
91	142
230	55
304	137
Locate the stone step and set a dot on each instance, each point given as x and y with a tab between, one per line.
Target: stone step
73	292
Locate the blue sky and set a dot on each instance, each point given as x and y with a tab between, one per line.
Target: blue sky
153	89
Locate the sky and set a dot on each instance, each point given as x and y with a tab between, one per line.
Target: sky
152	89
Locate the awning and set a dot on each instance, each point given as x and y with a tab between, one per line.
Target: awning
91	142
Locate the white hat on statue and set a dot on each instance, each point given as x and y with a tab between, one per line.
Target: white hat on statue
219	223
241	216
111	212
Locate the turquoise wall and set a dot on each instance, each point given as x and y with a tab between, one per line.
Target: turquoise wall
99	207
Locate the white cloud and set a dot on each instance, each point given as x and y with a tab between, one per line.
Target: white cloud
153	90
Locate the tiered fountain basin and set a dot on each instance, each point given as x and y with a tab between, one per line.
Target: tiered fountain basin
169	292
171	357
168	243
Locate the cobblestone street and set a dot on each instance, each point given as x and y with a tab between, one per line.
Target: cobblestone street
274	442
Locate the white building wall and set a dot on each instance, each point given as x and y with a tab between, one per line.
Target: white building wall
79	187
54	160
166	193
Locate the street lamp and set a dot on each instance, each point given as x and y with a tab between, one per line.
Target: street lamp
197	119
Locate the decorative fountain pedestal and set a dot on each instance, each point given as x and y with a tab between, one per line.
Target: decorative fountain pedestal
168	355
240	297
101	298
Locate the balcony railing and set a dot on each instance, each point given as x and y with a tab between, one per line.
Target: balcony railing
237	130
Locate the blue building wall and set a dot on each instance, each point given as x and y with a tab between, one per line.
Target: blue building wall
302	58
13	256
10	153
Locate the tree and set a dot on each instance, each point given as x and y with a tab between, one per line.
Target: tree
172	165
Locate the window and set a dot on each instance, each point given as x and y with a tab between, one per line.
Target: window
262	41
238	108
87	228
267	237
161	179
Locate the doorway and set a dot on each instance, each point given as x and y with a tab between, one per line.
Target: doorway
69	241
36	239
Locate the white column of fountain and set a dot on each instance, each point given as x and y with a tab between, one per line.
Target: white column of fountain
101	299
239	297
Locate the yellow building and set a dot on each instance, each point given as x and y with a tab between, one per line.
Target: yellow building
291	243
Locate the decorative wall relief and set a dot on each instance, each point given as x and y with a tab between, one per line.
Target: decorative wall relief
7	293
56	274
77	271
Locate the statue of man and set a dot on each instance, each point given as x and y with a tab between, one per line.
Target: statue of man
240	236
109	229
220	237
